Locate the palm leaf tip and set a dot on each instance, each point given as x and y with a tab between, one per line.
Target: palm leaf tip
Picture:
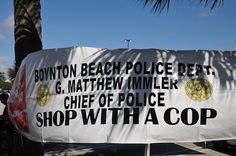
160	5
212	3
157	5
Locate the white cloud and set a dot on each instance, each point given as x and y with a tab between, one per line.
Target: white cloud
3	60
2	69
171	34
8	24
6	27
2	37
206	13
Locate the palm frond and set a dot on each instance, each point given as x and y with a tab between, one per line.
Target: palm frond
213	3
160	5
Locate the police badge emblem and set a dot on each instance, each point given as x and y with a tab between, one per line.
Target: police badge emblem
43	95
198	89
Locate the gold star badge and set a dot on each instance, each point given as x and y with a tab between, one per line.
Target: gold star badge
43	95
198	89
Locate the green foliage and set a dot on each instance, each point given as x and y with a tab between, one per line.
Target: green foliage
2	76
5	85
11	73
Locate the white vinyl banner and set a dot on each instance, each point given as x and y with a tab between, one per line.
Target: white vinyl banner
94	95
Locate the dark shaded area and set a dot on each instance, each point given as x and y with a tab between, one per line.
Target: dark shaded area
27	32
27	28
133	149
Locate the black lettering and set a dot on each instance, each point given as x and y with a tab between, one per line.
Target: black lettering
41	75
70	114
145	68
52	73
130	99
181	69
173	84
159	68
90	116
129	65
65	71
36	76
114	114
91	69
165	83
74	100
79	85
147	82
59	71
73	70
99	69
39	120
84	68
204	115
190	70
58	87
116	68
117	83
108	83
184	116
138	68
199	69
46	70
168	68
167	116
58	118
161	98
121	98
66	105
137	83
128	115
103	116
207	69
153	117
150	101
71	86
47	118
102	100
107	68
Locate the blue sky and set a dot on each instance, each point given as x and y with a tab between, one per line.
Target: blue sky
106	23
